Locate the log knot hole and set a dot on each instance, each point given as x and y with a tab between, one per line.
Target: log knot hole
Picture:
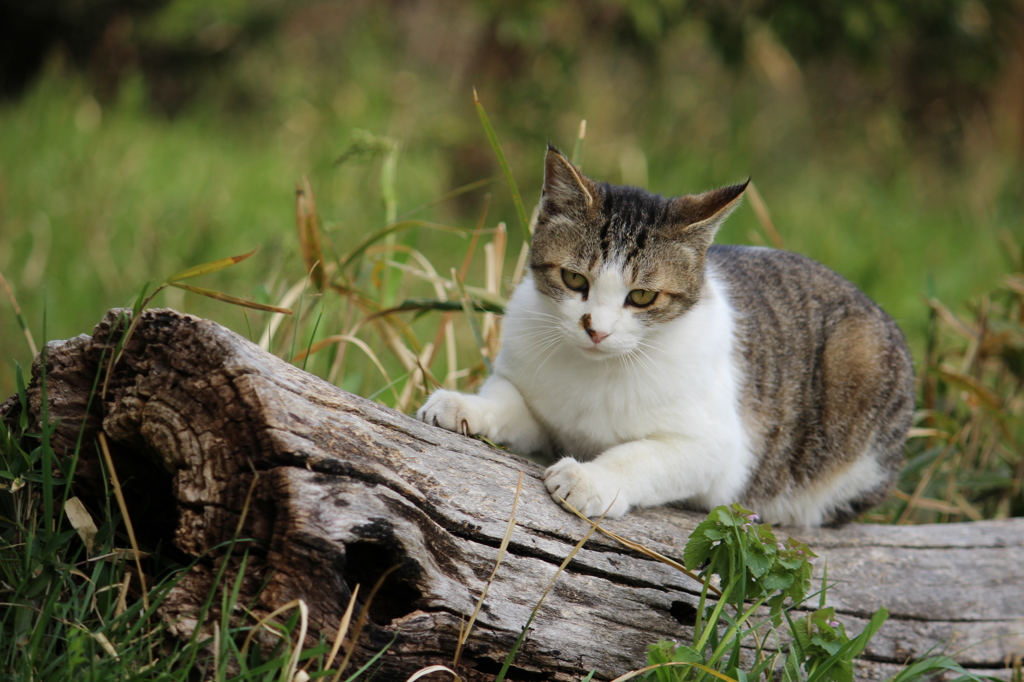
369	558
684	613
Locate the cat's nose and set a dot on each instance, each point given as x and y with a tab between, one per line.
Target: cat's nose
596	336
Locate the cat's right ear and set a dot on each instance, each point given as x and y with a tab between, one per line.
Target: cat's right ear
698	217
566	189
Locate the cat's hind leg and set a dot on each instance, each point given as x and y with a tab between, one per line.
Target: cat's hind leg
498	413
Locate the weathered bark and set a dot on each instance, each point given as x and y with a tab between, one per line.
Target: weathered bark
345	488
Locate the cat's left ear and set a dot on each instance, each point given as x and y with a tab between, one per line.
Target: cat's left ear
566	189
698	216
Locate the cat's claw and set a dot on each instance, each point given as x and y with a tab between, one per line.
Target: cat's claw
465	414
587	487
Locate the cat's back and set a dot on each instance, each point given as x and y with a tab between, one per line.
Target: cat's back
827	380
761	279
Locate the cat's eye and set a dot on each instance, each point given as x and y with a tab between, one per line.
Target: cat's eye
574	280
641	298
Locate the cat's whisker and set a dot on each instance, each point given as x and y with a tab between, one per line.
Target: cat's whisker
541	343
544	324
645	361
537	350
537	314
628	364
653	346
533	333
624	363
537	341
557	345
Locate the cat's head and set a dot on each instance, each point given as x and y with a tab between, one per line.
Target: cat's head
617	262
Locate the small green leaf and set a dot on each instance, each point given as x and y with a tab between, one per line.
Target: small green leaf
687	654
698	547
775	580
831	647
733	515
660	652
757	562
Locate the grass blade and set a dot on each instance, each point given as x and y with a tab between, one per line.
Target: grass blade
497	562
366	666
423	672
577	150
467	307
983	393
233	300
17	314
206	268
932	667
449	195
348	338
522	634
673	664
424	304
367	241
46	450
358	628
764	216
492	137
312	336
116	484
637	547
346	618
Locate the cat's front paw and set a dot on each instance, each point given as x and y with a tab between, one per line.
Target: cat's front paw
586	486
465	414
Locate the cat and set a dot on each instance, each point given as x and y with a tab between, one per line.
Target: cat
666	369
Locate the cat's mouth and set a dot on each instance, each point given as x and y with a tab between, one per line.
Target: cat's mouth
599	352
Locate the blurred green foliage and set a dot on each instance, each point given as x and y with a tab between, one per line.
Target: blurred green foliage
884	137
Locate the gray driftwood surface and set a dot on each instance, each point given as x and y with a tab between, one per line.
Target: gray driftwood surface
347	488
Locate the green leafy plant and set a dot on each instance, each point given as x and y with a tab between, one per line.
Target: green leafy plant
756	570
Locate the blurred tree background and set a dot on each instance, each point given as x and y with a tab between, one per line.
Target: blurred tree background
138	137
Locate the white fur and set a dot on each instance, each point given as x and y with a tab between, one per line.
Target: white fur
810	506
647	416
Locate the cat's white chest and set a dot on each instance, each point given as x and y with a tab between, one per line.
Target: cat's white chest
591	406
681	381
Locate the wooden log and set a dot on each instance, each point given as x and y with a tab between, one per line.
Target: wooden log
343	488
